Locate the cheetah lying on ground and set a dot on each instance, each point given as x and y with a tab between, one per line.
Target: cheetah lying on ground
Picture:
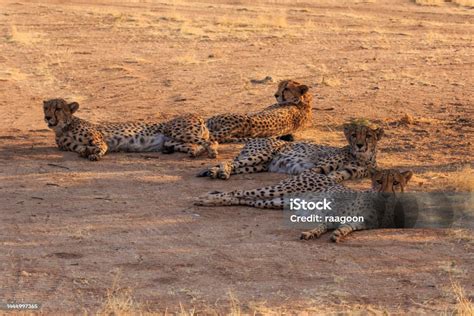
388	182
292	112
187	134
269	154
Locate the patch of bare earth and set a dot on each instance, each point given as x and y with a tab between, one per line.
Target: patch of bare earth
122	235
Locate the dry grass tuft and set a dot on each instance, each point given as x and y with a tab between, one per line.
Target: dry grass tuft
119	301
464	306
437	3
26	38
330	81
7	74
462	235
463	179
187	59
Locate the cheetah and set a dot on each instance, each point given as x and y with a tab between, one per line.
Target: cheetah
187	134
387	182
378	211
274	155
292	111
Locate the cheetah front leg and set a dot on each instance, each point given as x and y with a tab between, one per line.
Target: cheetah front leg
314	233
254	157
91	145
216	198
345	229
349	172
193	150
95	149
227	199
326	165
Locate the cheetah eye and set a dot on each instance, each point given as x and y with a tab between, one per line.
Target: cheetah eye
396	183
379	181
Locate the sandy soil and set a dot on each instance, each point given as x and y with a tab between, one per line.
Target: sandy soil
123	233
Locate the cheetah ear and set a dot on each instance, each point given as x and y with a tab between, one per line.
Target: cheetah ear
282	83
303	89
73	106
407	175
379	132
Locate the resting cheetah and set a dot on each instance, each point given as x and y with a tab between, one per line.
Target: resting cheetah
291	112
269	154
186	133
387	182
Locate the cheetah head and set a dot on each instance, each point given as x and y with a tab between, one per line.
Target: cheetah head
58	113
290	91
389	181
363	139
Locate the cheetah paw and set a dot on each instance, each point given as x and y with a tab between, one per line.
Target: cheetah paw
212	154
336	236
210	199
167	150
211	173
94	157
223	174
307	236
83	152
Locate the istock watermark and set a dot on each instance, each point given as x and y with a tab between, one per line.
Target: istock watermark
401	210
313	218
298	204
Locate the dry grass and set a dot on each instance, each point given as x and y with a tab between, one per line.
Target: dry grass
463	179
330	81
22	37
12	75
462	235
466	3
119	300
187	59
430	2
464	306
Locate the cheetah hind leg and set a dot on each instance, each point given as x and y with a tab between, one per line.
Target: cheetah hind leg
254	157
314	233
193	150
210	146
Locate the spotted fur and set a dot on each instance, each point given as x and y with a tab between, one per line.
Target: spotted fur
273	155
187	133
291	112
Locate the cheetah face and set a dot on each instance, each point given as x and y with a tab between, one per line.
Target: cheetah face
362	140
58	113
290	91
389	181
